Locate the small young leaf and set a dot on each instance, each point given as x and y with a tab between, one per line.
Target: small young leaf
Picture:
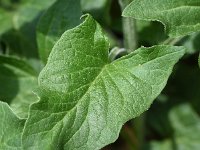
10	129
18	80
181	17
55	22
85	99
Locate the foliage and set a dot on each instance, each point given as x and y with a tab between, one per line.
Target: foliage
61	89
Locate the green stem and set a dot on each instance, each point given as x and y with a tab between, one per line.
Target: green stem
129	29
171	41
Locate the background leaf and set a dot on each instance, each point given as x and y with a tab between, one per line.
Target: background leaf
10	129
184	122
6	21
85	99
99	9
180	17
191	42
18	81
20	40
55	21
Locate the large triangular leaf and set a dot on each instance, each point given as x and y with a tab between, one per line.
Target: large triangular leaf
63	15
181	17
10	129
18	80
85	99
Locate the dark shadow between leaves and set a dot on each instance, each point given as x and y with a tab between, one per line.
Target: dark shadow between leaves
9	84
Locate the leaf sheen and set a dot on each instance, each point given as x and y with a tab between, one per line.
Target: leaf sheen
85	99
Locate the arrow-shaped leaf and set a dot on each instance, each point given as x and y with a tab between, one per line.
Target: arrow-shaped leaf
85	99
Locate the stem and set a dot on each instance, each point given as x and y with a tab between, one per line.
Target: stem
129	29
117	52
171	41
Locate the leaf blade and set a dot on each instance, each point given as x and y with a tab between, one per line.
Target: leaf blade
85	109
180	17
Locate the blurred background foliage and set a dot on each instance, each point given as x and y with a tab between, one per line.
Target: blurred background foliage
172	122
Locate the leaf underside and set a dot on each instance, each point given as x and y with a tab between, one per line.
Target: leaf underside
85	99
181	17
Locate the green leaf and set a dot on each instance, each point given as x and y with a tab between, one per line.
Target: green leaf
10	129
186	130
191	43
21	40
85	99
18	80
6	21
181	17
55	22
99	9
29	11
92	5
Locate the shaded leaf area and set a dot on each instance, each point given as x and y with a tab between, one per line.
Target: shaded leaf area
178	126
18	80
191	42
85	99
6	21
20	33
150	32
100	9
184	122
199	60
179	17
55	21
10	129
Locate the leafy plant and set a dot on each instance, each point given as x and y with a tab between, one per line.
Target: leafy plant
64	87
